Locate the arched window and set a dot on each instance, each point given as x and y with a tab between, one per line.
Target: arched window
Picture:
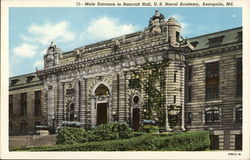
136	99
101	90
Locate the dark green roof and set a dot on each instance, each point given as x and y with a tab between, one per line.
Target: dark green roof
227	36
23	79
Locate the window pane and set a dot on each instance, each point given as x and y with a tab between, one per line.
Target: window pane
212	81
239	115
239	77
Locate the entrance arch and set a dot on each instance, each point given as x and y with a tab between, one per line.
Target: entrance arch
136	111
101	94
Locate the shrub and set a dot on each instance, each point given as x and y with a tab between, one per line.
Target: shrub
103	132
70	135
186	141
150	128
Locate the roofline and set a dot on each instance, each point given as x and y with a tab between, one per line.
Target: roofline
215	32
22	75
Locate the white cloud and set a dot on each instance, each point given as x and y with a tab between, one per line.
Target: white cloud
177	17
106	27
25	50
38	64
43	52
48	32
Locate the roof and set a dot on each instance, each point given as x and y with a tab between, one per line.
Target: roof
233	35
23	79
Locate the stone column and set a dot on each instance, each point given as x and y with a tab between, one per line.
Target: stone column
60	104
115	95
51	105
76	109
122	107
182	95
167	72
82	105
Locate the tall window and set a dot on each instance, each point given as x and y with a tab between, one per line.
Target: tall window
238	115
23	127
189	118
189	73
189	93
37	103
239	78
175	77
212	116
10	105
177	36
212	81
23	104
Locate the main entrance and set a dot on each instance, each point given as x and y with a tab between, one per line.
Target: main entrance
102	102
136	119
102	117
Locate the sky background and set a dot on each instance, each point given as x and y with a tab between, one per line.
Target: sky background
32	29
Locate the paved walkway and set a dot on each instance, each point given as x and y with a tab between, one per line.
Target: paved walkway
35	140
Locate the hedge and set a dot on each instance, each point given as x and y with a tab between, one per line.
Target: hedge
112	131
185	141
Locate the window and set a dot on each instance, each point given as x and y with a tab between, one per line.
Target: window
189	74
238	142
136	99
238	115
70	91
174	98
214	142
239	36
177	36
37	103
10	106
239	78
23	104
194	44
212	116
216	41
13	82
189	94
23	127
30	78
189	118
212	81
175	77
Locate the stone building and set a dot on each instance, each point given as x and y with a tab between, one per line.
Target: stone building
25	104
154	74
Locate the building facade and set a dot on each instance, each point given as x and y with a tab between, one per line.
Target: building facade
154	74
25	104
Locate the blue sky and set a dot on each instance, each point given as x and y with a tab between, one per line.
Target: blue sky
32	29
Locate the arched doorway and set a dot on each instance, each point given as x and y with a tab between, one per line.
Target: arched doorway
102	95
136	119
136	113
